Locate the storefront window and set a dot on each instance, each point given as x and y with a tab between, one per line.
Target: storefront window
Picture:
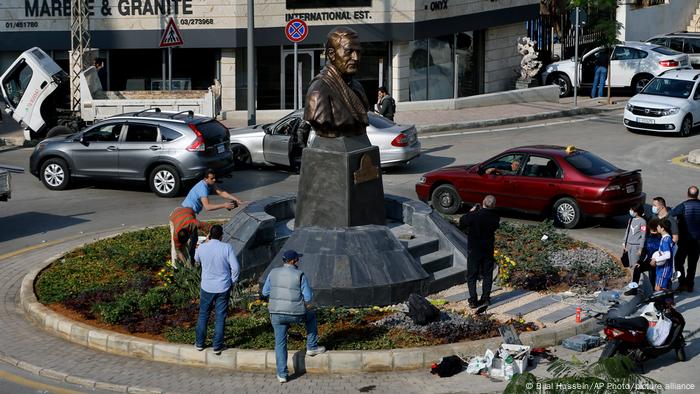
418	70
440	68
468	69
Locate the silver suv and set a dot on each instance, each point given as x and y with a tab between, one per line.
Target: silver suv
162	147
682	41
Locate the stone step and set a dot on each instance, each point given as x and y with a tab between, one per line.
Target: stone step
421	245
532	306
436	261
446	278
558	315
508	296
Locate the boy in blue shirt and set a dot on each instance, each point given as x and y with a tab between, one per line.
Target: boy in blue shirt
662	259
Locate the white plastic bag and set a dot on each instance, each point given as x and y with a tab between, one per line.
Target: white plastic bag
476	364
657	335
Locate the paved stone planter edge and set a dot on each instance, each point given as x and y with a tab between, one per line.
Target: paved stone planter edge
264	360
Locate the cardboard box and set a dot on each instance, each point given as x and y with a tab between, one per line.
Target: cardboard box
497	369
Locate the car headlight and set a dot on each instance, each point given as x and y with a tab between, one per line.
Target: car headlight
629	107
421	180
670	111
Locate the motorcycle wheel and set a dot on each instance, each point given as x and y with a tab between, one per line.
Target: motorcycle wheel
611	348
680	354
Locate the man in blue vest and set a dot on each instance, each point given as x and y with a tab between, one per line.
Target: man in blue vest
290	294
689	238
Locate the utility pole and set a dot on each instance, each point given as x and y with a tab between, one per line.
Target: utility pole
251	65
80	43
576	61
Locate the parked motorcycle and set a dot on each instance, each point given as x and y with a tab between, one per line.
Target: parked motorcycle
628	335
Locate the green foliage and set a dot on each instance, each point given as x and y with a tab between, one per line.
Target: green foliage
601	16
187	280
613	375
151	302
123	307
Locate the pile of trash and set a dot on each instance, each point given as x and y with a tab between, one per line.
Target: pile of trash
506	362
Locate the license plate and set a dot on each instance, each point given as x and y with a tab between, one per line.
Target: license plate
220	149
630	188
643	120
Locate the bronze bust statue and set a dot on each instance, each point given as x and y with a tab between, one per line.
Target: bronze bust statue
336	104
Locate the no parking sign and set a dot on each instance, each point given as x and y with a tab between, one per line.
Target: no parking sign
296	30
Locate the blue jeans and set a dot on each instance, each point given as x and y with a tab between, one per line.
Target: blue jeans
599	81
207	301
280	324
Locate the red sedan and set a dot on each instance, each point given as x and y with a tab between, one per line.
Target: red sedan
567	182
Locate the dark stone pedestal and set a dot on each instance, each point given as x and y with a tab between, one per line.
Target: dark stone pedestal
340	184
355	267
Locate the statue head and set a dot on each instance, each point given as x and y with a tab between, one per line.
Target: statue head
343	50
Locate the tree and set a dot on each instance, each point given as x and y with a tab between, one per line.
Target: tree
601	16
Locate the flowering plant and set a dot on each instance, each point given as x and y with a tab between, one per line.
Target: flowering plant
506	265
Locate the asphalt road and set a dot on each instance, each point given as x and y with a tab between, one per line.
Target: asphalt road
37	215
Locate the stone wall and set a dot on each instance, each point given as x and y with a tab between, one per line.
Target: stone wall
502	60
228	79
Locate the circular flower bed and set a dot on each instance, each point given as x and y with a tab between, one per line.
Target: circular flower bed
127	284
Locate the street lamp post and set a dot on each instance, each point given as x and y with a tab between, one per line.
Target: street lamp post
251	65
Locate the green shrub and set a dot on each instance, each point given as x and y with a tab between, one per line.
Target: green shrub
151	302
123	307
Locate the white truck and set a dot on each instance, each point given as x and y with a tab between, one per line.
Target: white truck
35	92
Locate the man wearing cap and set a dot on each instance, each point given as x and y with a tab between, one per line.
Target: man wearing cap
290	294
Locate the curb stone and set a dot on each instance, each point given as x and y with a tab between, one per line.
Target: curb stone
516	119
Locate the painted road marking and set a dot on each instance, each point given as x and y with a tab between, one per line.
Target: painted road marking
21	381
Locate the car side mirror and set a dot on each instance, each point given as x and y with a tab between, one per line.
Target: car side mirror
480	170
81	139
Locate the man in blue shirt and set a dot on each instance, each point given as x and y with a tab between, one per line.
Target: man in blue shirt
219	272
198	199
290	295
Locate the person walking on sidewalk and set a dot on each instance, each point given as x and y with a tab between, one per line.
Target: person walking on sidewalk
386	106
290	297
635	235
220	270
601	73
481	225
688	214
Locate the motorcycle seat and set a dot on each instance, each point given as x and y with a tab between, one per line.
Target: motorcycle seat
629	323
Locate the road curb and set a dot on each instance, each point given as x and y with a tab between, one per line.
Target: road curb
515	119
264	360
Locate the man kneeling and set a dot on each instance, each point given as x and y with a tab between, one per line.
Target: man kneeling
290	294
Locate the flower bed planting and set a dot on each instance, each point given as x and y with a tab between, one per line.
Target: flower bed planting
127	284
538	257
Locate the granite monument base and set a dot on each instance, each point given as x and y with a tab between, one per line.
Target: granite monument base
355	267
340	184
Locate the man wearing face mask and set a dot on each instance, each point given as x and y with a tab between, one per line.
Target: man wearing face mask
661	211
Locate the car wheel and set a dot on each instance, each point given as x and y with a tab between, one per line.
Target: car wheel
59	130
446	200
640	81
241	156
165	181
686	126
566	212
563	82
55	174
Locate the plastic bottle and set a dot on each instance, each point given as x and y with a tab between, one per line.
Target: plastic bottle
508	369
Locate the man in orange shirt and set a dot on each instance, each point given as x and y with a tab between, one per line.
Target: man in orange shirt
184	228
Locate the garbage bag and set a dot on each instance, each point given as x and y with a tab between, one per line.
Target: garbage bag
447	366
657	334
476	365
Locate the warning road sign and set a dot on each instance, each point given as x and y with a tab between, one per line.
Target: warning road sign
171	35
296	30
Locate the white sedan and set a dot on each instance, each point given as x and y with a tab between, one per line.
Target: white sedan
273	143
669	103
632	64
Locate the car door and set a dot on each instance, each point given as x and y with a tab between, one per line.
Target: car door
539	181
588	66
96	152
278	139
140	147
624	65
692	48
695	104
501	186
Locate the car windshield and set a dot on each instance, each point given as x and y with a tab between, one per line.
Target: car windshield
669	87
666	51
589	164
380	122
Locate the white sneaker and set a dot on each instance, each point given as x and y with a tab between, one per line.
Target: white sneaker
317	350
281	379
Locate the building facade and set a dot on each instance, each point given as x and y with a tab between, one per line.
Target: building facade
419	49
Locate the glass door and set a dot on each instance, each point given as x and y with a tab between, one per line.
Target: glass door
308	65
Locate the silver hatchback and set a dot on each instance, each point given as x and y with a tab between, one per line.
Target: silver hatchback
163	148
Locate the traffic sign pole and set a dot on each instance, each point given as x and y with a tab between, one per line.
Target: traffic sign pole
576	62
296	74
170	68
